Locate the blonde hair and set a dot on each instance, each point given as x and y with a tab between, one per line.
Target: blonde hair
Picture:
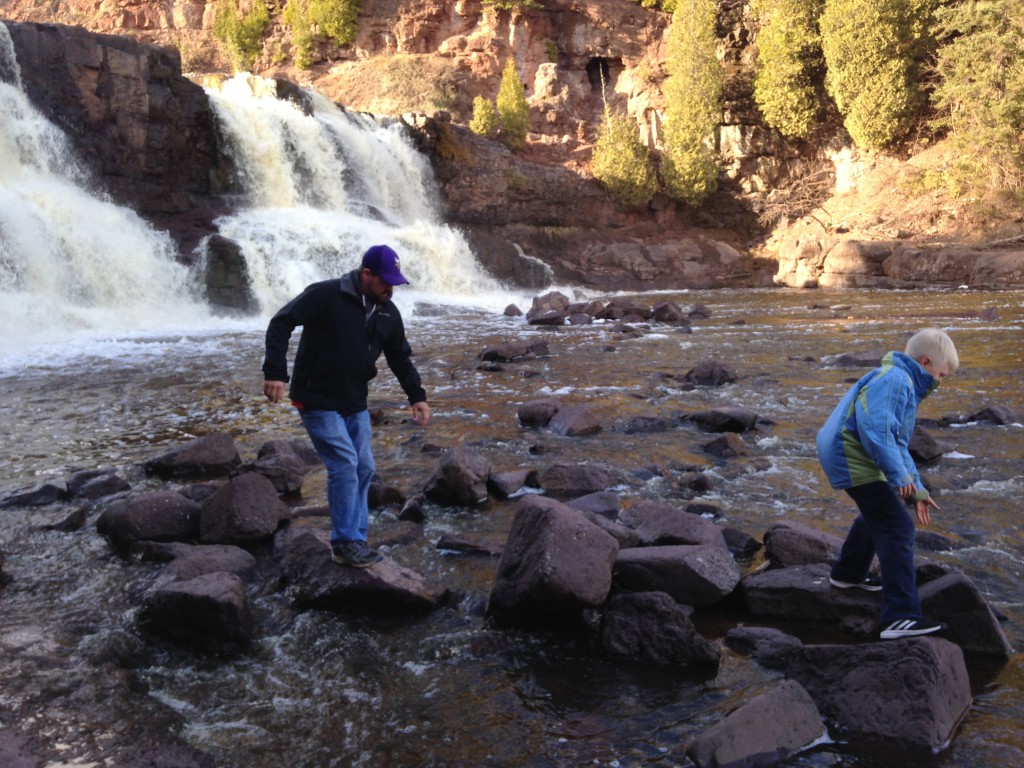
936	344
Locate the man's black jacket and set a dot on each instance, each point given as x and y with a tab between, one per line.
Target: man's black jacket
339	347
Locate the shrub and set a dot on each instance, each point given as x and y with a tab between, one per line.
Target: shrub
485	118
240	34
513	110
789	56
693	93
621	161
333	19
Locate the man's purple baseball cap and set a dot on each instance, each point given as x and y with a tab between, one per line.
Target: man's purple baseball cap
384	262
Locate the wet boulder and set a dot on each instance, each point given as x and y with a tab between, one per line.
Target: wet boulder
574	480
244	510
727	446
790	543
537	413
695	575
207	610
149	516
213	455
316	581
957	601
652	627
555	561
40	496
459	478
769	647
507	352
603	503
763	731
644	425
994	414
711	373
504	484
924	448
658	523
574	421
92	484
548	309
285	463
727	418
669	313
908	694
187	561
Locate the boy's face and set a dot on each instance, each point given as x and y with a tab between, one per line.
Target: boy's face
935	368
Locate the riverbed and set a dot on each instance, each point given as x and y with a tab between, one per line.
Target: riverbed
320	689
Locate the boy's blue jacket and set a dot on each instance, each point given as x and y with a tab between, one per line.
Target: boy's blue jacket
867	437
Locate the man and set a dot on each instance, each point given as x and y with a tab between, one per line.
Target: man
346	324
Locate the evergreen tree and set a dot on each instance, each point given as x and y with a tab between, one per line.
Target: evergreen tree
872	49
485	119
693	93
621	162
241	33
981	91
789	55
513	110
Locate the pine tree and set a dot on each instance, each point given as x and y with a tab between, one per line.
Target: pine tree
485	119
693	93
513	110
621	162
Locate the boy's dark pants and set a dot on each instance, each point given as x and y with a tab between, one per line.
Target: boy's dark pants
884	527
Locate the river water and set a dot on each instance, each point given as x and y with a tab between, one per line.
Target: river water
320	689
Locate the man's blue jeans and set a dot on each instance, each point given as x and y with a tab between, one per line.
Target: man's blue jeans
343	444
885	527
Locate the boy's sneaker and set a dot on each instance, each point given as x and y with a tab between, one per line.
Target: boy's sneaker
869	584
911	628
355	553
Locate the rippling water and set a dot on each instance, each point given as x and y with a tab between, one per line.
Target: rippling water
320	689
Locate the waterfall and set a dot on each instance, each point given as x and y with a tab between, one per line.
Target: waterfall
325	184
71	261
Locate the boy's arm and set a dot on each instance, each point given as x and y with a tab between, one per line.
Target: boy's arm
881	409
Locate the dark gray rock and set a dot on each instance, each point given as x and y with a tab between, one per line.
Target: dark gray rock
459	478
727	418
574	480
764	731
726	446
41	496
209	456
771	648
246	509
537	413
555	561
956	600
791	543
908	694
644	425
603	503
504	484
652	627
711	373
574	421
695	575
92	484
658	523
208	610
187	561
152	516
924	448
670	313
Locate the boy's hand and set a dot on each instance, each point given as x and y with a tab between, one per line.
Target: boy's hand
924	511
906	491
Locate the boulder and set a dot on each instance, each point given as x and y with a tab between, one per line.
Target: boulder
994	414
149	516
459	478
285	463
505	484
790	543
574	421
727	418
209	456
956	600
924	448
507	352
652	627
92	484
208	610
537	413
769	647
316	581
657	523
670	313
574	480
645	425
187	561
726	446
908	694
549	309
695	575
554	562
763	731
603	503
246	509
41	496
711	373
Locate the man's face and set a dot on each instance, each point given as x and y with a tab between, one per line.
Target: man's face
374	288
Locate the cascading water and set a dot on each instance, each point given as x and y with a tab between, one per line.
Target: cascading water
71	261
327	184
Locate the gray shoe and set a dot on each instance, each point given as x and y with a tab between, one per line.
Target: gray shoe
355	553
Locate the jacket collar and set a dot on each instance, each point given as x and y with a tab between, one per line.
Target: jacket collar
924	382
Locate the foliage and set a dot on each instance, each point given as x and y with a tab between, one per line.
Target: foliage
240	34
621	162
789	55
872	49
513	110
693	93
981	93
662	5
508	5
485	118
331	19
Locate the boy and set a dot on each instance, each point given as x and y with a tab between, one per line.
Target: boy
863	449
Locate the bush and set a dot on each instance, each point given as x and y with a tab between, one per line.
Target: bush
485	118
333	19
513	110
789	57
621	162
240	34
693	93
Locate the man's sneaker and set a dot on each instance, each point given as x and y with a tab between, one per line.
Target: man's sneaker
355	553
911	628
869	584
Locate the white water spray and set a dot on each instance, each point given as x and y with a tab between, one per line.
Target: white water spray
327	185
72	262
